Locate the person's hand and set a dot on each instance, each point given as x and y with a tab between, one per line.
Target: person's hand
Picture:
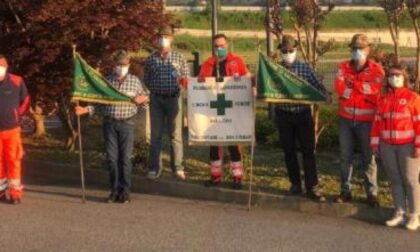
201	79
141	99
254	80
183	83
375	151
81	110
254	92
329	98
416	153
349	83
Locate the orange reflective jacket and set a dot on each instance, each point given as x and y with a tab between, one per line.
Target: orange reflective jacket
397	120
358	92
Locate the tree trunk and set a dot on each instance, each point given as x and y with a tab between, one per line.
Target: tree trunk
39	120
397	42
67	119
393	29
417	30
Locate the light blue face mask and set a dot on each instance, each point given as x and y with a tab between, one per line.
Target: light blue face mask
358	55
221	52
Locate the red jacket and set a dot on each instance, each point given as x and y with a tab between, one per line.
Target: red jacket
397	120
234	65
359	101
14	101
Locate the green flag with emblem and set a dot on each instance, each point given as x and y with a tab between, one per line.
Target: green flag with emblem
278	85
90	86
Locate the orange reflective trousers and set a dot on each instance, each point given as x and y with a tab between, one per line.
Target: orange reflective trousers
11	153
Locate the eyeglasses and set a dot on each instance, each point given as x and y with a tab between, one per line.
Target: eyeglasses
284	51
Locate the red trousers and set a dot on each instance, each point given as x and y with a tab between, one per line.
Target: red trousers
11	153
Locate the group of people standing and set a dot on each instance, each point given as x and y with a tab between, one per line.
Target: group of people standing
377	111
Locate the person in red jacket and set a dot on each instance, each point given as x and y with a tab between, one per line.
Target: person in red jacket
395	138
223	64
14	102
358	86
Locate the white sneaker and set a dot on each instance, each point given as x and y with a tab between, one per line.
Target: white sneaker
396	220
152	175
180	175
413	222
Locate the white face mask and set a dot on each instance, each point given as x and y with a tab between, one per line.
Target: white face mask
121	71
289	58
164	42
3	71
358	55
396	81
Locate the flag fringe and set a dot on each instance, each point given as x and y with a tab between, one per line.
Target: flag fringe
105	102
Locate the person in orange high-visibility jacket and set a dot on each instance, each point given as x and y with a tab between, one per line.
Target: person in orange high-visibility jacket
14	102
395	138
358	86
224	64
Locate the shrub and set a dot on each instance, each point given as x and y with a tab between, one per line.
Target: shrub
328	140
265	129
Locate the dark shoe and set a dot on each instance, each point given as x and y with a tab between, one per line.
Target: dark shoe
125	198
237	183
295	190
15	201
315	196
372	201
213	181
112	198
343	198
3	196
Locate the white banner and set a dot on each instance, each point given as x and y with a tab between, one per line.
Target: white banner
220	112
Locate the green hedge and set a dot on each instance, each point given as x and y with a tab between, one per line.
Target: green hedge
336	20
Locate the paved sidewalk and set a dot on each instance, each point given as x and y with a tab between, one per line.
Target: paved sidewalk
51	218
58	173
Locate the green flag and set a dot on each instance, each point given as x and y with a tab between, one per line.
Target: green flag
277	84
89	85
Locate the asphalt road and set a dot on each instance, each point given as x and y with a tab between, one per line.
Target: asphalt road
52	218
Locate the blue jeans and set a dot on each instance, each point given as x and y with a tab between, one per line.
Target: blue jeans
352	132
166	110
119	141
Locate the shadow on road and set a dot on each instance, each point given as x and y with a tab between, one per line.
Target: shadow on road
36	186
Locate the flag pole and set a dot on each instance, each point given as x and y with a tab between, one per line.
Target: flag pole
252	145
250	175
79	132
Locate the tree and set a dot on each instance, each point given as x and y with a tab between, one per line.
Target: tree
37	37
274	20
413	7
394	10
309	17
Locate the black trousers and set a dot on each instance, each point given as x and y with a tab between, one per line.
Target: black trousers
300	127
216	153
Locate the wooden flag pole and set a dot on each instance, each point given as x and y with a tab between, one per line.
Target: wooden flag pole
252	146
250	175
79	132
82	172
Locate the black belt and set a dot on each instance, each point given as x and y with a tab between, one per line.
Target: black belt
111	119
294	112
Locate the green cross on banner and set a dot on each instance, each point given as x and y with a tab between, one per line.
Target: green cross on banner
221	104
